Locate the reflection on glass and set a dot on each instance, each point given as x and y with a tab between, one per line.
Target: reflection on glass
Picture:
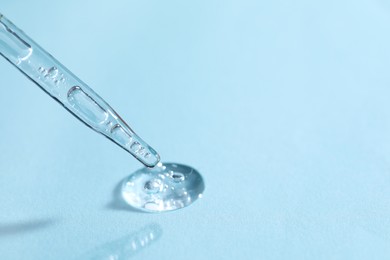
126	247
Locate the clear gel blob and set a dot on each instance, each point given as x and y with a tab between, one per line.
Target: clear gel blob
165	187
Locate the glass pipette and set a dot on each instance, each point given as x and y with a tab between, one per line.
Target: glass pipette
62	85
162	188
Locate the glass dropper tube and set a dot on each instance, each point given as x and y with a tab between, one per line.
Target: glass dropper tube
62	85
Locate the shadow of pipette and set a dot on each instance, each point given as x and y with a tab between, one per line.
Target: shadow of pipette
126	247
24	227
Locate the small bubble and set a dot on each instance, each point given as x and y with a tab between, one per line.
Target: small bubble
153	186
59	80
177	176
52	72
135	146
141	151
162	176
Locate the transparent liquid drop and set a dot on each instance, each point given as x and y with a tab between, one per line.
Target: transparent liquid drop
163	188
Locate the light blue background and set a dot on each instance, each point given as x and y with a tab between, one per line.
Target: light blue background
283	106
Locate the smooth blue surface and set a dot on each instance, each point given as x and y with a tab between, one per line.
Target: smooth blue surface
283	106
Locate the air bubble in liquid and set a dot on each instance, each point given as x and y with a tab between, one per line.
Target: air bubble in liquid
141	151
135	146
120	135
52	73
154	186
86	107
17	49
177	176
